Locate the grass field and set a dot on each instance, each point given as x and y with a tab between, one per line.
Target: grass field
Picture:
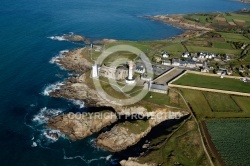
221	102
174	49
198	103
231	138
157	98
234	37
243	102
113	57
136	127
202	109
213	82
171	99
222	45
183	147
142	45
214	50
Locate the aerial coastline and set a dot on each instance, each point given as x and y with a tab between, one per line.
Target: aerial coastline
197	26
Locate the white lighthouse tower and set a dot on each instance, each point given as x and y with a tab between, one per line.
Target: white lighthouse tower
130	79
95	71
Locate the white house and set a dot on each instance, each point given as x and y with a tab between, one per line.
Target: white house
140	69
176	62
186	55
166	62
165	55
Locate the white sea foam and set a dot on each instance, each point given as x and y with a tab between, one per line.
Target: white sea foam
32	105
60	55
51	88
34	144
44	115
107	158
92	142
58	38
79	103
48	134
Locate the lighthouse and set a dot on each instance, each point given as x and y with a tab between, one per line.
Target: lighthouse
129	79
94	71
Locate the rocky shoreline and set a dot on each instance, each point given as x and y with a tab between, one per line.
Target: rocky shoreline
119	137
79	126
180	22
76	38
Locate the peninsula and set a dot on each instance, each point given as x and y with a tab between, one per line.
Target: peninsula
198	79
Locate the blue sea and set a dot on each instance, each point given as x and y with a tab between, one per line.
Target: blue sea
26	74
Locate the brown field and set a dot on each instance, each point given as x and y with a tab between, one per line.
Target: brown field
220	19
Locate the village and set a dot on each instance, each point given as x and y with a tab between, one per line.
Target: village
165	69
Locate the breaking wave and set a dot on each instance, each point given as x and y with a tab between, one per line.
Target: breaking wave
58	38
44	115
79	103
88	161
51	88
52	135
55	58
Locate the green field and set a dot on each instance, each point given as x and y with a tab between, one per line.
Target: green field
221	102
233	16
213	82
235	106
243	102
136	127
234	37
183	147
222	45
198	103
231	138
213	50
115	56
175	49
157	98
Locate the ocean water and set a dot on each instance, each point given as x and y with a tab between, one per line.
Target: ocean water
26	74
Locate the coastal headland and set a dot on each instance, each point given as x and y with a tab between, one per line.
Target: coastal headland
215	43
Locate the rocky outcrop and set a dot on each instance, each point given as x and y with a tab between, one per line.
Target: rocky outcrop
76	88
74	60
133	162
122	136
76	38
126	134
79	126
179	21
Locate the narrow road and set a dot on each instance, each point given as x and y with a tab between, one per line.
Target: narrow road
199	130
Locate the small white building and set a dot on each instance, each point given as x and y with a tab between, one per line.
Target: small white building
166	62
158	88
165	55
140	69
94	71
186	55
176	62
